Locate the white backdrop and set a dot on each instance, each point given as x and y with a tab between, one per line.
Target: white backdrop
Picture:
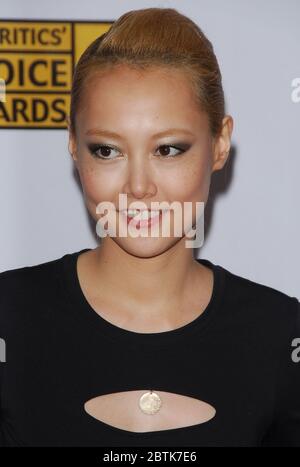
252	220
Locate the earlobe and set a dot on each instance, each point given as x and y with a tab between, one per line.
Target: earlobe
73	155
71	144
220	161
68	124
72	148
222	146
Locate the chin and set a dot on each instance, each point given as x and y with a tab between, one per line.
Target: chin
146	247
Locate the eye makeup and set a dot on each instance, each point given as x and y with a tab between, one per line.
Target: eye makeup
94	148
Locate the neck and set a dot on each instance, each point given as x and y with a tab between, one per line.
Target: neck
147	286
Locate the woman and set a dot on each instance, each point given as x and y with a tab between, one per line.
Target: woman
136	342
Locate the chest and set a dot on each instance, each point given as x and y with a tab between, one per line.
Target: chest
149	410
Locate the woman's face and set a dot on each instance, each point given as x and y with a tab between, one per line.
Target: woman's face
141	117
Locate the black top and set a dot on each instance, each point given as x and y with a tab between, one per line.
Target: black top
238	355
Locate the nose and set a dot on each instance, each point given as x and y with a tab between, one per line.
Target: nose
140	179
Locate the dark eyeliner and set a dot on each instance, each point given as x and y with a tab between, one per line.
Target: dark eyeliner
183	147
93	147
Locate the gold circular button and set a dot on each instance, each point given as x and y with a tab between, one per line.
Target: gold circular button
150	402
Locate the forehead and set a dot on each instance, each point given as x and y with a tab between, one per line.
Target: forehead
122	94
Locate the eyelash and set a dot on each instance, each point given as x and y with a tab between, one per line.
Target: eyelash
93	148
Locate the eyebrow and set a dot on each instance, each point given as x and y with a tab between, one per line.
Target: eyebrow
169	131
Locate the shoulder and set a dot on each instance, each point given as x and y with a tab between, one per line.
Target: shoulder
19	279
260	305
24	289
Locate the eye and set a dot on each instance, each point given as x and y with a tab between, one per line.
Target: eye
101	151
166	151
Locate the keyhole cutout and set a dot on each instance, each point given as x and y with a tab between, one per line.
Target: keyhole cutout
121	410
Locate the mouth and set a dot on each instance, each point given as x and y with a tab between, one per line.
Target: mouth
143	218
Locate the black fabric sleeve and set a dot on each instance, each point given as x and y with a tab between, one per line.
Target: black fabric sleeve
2	274
285	430
1	434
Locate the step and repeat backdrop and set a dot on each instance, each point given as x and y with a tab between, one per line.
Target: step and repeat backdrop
37	61
252	221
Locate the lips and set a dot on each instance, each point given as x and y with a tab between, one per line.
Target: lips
136	221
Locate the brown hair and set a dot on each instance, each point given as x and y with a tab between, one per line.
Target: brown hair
160	37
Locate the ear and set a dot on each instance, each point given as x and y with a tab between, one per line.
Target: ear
72	141
222	144
68	121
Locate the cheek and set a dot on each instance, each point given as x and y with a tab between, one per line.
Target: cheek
190	183
95	186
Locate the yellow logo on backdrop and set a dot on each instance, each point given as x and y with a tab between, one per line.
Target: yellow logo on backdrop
37	60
